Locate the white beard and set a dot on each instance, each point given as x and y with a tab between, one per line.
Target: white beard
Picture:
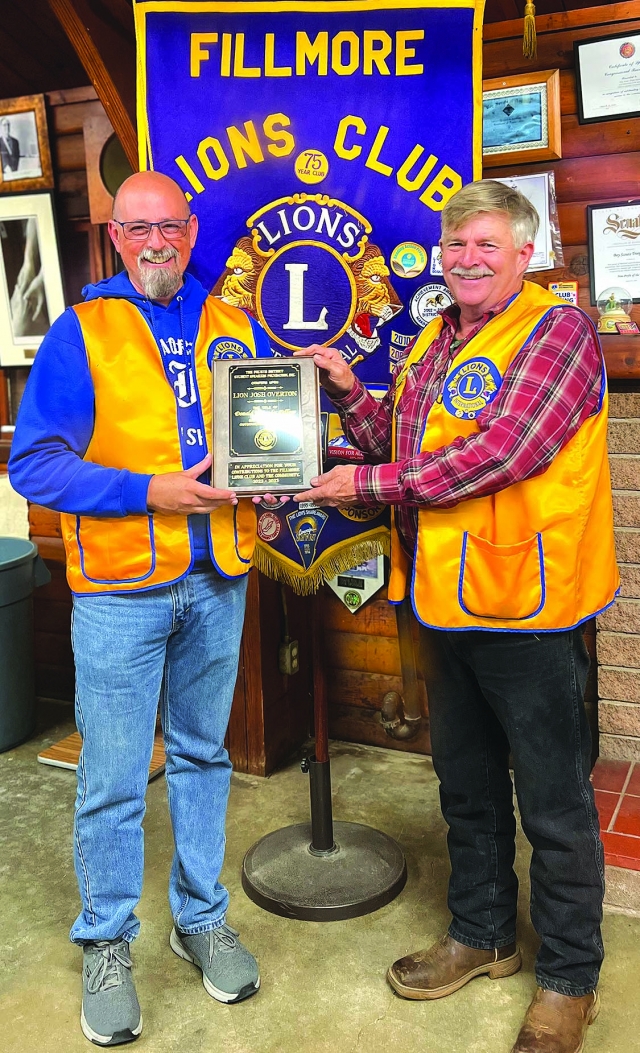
159	284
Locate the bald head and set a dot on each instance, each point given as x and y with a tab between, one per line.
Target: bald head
145	190
154	250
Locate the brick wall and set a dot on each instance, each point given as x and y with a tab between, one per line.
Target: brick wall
618	635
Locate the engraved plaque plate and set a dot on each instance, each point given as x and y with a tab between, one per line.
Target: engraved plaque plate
266	425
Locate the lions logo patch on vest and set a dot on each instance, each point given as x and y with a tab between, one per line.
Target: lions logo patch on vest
471	387
226	347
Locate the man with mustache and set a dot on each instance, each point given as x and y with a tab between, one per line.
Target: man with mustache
491	446
113	433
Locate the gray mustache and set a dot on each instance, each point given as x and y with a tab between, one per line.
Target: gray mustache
472	272
158	255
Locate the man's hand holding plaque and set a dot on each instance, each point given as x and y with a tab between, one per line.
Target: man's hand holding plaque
336	376
171	492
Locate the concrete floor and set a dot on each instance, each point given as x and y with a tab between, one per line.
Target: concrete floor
323	985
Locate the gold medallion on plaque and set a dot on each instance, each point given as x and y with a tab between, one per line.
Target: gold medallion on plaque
265	439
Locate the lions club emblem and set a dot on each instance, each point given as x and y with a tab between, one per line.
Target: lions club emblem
471	387
310	274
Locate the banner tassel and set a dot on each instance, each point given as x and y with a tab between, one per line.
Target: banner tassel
529	41
306	582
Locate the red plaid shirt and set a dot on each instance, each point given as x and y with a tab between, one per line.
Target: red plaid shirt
546	394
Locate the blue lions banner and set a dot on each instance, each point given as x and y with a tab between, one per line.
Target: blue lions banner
318	142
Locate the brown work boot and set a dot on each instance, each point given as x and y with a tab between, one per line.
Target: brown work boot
448	966
557	1023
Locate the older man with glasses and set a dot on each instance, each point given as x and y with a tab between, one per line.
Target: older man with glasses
112	433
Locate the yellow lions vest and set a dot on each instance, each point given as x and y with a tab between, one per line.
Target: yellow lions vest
537	556
135	428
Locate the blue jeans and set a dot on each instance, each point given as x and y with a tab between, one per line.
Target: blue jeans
177	646
495	692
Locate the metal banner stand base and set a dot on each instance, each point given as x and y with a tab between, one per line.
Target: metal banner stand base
323	871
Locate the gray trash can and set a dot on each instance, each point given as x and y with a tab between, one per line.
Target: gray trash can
21	570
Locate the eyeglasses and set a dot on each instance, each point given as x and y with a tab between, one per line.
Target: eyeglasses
137	230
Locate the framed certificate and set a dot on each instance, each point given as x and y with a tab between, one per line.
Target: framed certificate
521	119
614	248
608	77
266	425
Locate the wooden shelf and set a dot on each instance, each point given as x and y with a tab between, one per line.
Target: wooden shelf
622	356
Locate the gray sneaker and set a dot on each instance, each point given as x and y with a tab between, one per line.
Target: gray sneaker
229	970
110	1009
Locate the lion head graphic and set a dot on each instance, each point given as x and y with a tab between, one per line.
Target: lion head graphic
237	285
378	301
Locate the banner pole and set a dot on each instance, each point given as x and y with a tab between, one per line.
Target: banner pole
323	871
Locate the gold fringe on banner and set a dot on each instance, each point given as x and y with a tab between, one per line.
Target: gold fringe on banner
529	41
305	582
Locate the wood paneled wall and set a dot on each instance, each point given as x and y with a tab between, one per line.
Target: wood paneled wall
600	162
362	664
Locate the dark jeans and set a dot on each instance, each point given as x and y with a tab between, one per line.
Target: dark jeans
489	693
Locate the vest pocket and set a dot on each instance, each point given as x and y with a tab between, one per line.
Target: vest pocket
505	582
116	551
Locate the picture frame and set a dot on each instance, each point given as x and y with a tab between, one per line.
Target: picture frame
608	77
31	290
539	189
614	247
521	119
25	157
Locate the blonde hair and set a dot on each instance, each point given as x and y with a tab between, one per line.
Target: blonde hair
489	195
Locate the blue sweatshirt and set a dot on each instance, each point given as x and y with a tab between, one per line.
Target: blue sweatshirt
56	416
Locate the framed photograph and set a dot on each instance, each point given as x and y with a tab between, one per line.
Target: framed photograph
31	294
614	248
521	119
25	158
608	77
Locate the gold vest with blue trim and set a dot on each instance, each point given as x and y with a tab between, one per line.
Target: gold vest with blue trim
136	428
536	556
